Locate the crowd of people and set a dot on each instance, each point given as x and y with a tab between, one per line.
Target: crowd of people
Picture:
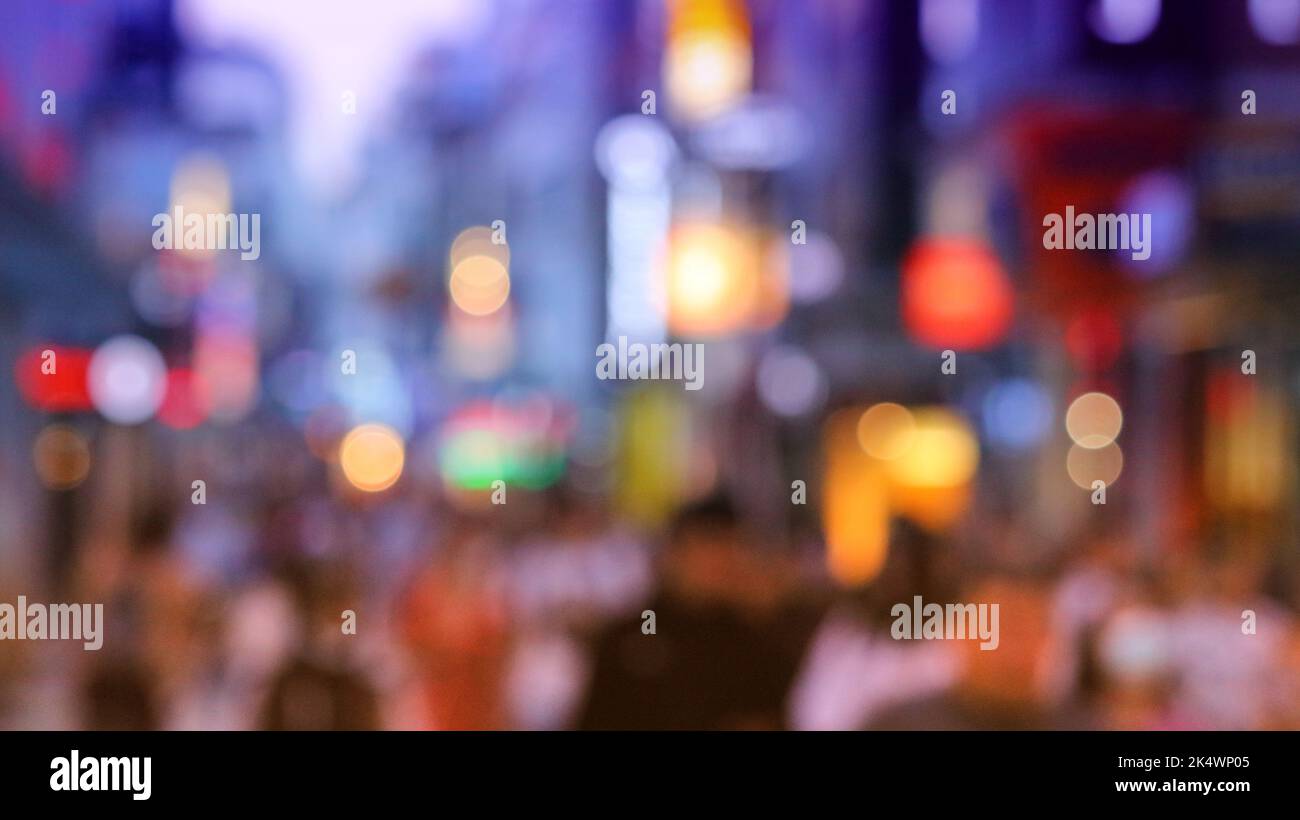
421	616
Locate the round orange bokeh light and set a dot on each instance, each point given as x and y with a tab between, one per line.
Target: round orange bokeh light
372	457
722	279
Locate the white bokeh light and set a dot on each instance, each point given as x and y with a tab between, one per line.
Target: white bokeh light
1275	21
790	383
949	28
127	379
1124	21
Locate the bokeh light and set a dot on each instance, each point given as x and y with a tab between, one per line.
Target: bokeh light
477	240
1124	21
520	443
930	481
61	457
1276	22
473	458
652	454
949	28
1017	414
816	268
634	151
710	280
885	431
1086	465
479	285
722	279
1093	420
65	389
371	457
855	505
127	379
856	522
790	383
479	278
955	295
941	451
1168	197
708	61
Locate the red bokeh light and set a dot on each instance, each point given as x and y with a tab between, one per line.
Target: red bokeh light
62	391
955	295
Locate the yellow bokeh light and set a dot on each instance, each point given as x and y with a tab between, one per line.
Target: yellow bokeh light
372	457
701	276
942	452
855	504
709	289
721	279
930	478
1086	465
891	460
1093	420
479	285
61	457
651	454
707	73
708	60
856	520
886	430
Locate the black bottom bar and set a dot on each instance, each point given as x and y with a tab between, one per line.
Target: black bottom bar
305	770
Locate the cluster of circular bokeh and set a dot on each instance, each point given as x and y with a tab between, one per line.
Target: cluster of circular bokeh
1093	422
479	281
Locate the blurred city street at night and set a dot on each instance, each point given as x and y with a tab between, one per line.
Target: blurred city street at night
650	364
